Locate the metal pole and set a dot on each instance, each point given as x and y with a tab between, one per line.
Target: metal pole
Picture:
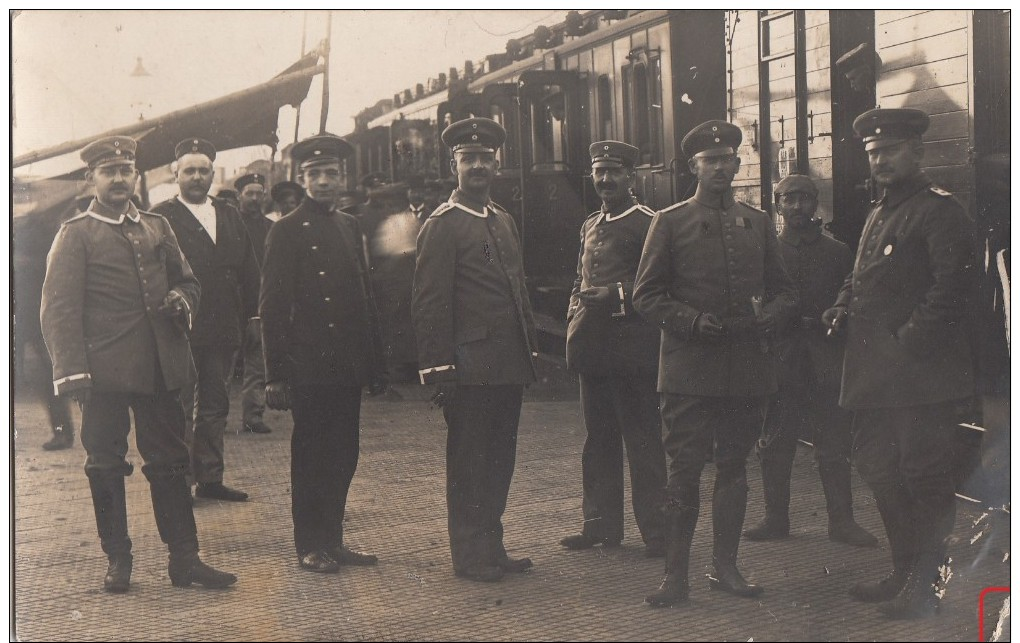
297	119
325	76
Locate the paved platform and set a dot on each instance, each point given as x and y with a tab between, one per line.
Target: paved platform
397	510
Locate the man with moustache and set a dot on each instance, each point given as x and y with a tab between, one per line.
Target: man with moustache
908	361
475	335
251	191
712	279
214	239
321	343
117	301
616	354
810	368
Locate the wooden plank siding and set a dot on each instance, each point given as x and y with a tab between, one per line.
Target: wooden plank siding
742	63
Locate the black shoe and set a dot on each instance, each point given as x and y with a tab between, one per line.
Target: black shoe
219	491
256	427
879	591
481	573
769	529
917	600
320	562
727	578
655	549
581	541
345	556
118	574
674	589
514	565
63	438
194	571
849	532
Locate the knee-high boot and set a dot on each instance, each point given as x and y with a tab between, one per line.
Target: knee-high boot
108	500
839	503
894	507
675	587
775	478
729	504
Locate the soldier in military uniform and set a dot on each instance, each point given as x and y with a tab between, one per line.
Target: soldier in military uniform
287	196
217	245
616	353
908	360
117	301
321	345
712	279
251	190
859	66
810	367
475	335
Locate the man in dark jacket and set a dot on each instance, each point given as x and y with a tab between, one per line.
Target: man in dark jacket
476	334
908	360
711	277
321	344
810	365
616	354
218	247
117	301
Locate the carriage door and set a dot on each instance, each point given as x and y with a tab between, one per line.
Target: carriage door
783	102
500	100
851	185
554	167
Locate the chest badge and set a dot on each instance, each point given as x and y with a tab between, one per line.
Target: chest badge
887	250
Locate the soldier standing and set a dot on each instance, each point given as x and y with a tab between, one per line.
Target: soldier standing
475	335
810	369
711	277
616	353
117	302
321	343
908	360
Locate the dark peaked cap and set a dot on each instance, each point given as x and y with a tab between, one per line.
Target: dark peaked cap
613	154
712	138
109	150
248	179
322	148
195	146
884	127
474	134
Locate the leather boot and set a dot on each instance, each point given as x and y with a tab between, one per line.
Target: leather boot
776	484
63	438
894	507
110	505
175	521
675	587
729	503
839	503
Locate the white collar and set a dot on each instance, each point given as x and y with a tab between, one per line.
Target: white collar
611	217
195	206
484	214
132	213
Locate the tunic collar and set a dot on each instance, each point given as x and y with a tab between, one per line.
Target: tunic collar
107	214
725	202
464	202
897	194
609	215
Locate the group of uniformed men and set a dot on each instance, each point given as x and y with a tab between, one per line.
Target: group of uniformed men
677	323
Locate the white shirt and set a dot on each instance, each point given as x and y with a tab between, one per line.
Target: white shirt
205	212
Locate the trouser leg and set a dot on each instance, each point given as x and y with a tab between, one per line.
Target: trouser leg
212	405
253	392
637	412
601	461
502	458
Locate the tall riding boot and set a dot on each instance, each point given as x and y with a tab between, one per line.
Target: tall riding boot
675	588
729	503
839	503
894	507
63	437
111	521
775	477
175	521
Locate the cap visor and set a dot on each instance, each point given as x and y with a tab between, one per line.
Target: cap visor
880	143
715	151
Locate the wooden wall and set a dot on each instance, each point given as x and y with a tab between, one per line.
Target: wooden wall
742	103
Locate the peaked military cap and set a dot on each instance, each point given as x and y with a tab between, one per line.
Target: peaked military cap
284	188
319	149
474	134
884	127
613	154
109	151
860	55
195	146
712	138
248	179
796	183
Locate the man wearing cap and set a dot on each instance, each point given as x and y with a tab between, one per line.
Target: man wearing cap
475	335
321	344
810	366
908	361
616	354
251	190
117	301
712	279
858	66
286	195
219	249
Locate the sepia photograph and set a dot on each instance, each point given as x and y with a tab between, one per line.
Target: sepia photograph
510	325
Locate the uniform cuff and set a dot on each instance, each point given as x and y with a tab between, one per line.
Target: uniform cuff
622	310
437	374
71	383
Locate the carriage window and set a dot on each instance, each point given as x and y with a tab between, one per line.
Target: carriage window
605	102
508	156
549	130
642	107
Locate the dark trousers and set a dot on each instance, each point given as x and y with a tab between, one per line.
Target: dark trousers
207	402
622	410
481	450
906	456
323	458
